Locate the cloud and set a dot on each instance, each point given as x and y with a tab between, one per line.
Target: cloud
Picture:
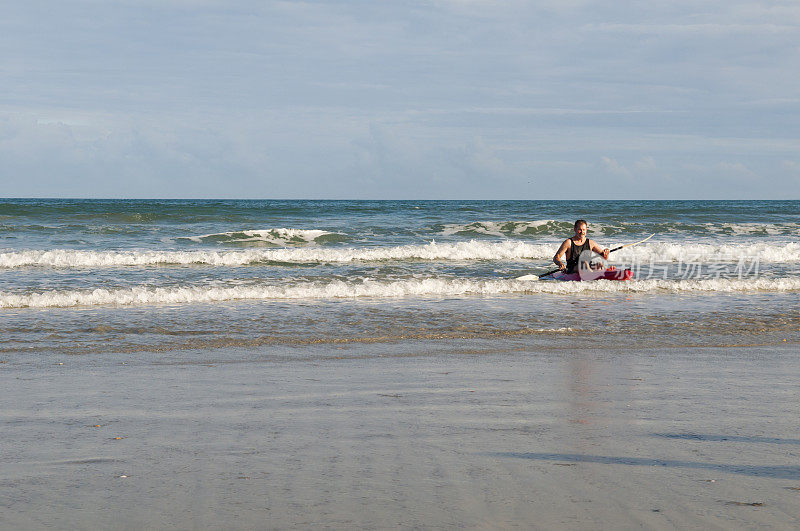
791	165
399	160
736	168
708	29
645	164
616	169
441	98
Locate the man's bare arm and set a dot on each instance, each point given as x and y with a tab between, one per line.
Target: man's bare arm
561	251
599	250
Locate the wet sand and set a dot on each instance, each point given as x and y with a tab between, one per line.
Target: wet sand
418	435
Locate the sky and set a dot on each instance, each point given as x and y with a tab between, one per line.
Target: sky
394	99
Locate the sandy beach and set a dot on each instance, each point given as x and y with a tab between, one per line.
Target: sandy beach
458	434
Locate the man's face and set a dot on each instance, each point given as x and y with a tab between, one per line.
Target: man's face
580	231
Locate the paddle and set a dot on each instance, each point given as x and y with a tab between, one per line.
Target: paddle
611	251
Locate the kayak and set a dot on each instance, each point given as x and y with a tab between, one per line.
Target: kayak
610	273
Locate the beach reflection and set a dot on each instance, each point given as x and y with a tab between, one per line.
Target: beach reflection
777	472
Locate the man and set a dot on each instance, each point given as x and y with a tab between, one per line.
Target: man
573	247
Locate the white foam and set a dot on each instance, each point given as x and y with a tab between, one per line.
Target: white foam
632	229
472	250
704	252
771	229
280	236
461	251
337	289
433	251
501	228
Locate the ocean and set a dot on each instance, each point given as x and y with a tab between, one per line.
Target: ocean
126	276
382	364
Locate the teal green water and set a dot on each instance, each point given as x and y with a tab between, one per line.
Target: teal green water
140	224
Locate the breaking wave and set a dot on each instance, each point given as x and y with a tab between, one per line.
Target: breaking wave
432	251
703	252
337	289
461	251
270	237
541	227
554	228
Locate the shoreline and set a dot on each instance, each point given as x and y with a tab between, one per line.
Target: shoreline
499	437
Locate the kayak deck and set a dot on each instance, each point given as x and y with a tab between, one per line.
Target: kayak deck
611	273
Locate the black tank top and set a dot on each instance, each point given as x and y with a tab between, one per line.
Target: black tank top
575	253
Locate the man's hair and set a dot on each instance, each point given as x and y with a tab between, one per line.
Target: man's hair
579	222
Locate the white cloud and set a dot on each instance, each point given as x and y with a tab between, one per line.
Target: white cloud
709	29
427	98
615	168
791	165
736	168
641	168
645	164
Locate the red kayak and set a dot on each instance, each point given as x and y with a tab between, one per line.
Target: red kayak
610	273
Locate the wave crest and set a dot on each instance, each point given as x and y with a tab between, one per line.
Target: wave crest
462	251
270	237
337	289
551	227
508	228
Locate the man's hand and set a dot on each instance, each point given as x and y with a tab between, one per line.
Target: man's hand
605	253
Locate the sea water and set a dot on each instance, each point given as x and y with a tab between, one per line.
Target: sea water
82	276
